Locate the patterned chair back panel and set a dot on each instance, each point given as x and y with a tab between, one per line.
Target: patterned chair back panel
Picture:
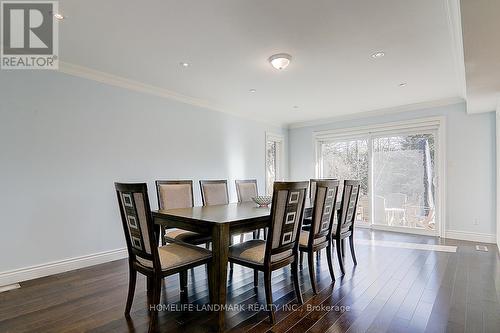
135	210
287	210
214	193
349	205
246	190
324	207
175	195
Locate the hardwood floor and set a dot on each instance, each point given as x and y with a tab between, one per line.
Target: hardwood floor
393	289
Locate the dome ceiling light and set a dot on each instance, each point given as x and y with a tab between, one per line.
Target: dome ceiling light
280	61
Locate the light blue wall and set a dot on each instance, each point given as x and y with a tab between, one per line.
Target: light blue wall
470	154
64	141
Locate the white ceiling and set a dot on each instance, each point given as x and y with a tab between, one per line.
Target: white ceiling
481	28
227	43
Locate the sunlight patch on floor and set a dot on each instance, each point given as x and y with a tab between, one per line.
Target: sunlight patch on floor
406	245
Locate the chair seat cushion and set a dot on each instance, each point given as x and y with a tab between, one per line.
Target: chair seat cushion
253	251
186	236
176	255
304	238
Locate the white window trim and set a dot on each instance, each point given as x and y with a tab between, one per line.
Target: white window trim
437	124
281	160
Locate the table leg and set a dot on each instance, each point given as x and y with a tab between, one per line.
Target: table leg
218	272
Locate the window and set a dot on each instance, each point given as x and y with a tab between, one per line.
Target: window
399	170
274	160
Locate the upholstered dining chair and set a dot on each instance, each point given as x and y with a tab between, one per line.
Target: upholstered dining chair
281	247
144	255
214	192
319	235
173	194
246	189
346	216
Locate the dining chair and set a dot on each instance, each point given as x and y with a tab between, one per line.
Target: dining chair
246	189
346	216
174	194
144	255
214	192
281	247
319	236
306	225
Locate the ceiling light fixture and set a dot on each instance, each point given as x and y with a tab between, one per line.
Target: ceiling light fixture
184	64
280	61
58	16
253	91
403	84
377	55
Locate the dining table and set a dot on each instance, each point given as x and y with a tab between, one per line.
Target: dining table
219	221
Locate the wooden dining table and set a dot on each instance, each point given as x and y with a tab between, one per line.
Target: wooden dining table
219	221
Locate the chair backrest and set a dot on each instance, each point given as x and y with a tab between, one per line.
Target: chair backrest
324	211
348	206
312	186
214	192
138	223
174	194
287	211
246	189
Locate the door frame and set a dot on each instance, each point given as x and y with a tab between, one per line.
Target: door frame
433	124
280	156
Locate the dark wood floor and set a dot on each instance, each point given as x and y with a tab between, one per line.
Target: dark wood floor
391	290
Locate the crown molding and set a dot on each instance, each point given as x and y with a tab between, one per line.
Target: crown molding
121	82
454	19
380	112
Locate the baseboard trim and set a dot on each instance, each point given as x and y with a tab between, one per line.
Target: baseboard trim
471	236
60	266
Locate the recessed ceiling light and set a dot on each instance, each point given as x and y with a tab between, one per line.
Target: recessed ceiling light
377	55
253	90
58	16
403	84
280	61
184	64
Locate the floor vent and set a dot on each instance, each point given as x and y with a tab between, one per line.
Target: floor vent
481	248
9	287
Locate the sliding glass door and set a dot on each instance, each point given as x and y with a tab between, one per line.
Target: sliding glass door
404	180
398	174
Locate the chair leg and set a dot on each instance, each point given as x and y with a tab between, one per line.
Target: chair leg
242	238
338	245
318	255
296	285
330	261
131	291
301	259
351	245
312	276
255	278
256	234
155	301
269	295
